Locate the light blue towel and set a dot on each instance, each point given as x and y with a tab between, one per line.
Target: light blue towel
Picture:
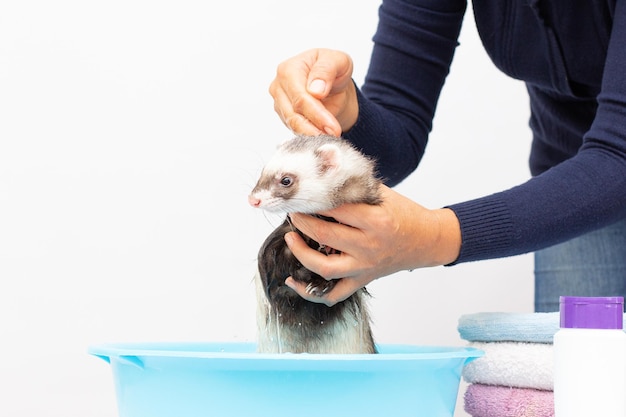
509	327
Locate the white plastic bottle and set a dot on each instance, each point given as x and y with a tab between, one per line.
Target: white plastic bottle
590	358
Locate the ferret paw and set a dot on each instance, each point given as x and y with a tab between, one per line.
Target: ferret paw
319	290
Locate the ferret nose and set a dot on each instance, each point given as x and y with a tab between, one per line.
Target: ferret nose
253	201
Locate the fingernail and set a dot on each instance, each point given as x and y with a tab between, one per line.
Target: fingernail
317	86
288	239
329	131
289	282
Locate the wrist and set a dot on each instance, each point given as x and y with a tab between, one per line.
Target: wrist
448	243
350	115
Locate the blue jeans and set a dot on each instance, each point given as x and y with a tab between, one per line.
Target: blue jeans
592	265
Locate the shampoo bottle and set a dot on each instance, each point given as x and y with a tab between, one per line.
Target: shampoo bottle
590	358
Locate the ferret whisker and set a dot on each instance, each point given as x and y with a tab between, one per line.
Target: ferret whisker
288	220
271	222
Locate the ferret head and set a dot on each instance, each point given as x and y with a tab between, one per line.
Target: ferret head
306	175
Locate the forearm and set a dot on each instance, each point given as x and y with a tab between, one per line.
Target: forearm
448	247
413	49
582	194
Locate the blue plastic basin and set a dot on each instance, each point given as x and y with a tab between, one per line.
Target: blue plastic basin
231	379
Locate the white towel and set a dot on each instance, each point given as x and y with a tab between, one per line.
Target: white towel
512	364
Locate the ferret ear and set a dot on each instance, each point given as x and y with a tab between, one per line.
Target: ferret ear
328	156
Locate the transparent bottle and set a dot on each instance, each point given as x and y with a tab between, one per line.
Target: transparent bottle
590	358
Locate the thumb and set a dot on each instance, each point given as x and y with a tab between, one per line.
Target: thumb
331	71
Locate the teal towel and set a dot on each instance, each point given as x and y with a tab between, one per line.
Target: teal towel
509	327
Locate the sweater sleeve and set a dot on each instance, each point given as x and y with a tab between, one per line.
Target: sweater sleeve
583	193
414	45
413	48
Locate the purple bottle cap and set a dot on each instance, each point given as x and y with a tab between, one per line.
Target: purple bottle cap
592	312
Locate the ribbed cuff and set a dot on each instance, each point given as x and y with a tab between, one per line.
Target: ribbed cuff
367	121
372	136
486	229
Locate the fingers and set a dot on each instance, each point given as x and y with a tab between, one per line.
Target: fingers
302	90
331	266
343	289
360	216
340	292
352	221
317	120
330	72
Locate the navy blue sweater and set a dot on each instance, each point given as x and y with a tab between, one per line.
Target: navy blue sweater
571	55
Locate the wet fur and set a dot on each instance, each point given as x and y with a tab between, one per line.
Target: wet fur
289	323
326	173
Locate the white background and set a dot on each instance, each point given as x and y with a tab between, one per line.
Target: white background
130	134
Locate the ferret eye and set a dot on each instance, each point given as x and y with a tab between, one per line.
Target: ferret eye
286	181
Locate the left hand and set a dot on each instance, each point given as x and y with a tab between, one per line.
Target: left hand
374	241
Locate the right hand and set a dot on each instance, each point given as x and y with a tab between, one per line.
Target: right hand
372	241
314	94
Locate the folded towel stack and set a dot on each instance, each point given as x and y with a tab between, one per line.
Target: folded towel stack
514	378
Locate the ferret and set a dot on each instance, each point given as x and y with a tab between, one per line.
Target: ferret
309	174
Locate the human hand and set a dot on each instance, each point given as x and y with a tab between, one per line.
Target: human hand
314	94
374	241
